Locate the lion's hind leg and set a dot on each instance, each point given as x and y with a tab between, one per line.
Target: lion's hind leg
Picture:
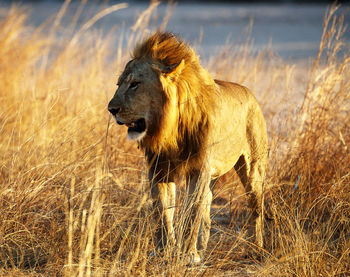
251	175
256	179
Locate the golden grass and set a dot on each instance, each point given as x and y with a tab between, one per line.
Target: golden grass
74	195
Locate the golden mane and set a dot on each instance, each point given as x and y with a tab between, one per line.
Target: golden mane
165	48
188	102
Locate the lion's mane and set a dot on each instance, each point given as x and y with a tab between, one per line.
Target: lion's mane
187	109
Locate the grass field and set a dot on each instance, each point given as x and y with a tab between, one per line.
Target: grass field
74	199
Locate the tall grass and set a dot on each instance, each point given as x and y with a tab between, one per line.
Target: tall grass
74	194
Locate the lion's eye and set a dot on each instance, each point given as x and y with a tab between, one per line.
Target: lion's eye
134	85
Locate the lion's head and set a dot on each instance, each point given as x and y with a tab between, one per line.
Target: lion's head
163	93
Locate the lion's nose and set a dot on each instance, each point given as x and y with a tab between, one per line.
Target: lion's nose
114	110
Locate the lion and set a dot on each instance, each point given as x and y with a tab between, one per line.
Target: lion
190	125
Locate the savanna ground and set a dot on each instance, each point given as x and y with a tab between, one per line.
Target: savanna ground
74	198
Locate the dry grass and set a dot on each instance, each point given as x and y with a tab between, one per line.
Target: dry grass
74	201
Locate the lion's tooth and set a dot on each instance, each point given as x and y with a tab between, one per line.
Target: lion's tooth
131	125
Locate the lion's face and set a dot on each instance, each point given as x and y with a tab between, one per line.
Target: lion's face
138	100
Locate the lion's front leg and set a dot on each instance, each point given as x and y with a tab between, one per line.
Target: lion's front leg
164	198
200	195
204	230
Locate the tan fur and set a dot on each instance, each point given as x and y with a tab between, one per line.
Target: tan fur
197	127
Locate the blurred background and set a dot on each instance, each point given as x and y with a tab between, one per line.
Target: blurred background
291	29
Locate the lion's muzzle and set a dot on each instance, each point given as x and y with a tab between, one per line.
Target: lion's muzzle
136	128
113	110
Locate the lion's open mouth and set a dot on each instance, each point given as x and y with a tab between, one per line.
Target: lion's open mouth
138	126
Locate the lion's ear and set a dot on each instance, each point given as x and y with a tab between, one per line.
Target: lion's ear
175	68
171	71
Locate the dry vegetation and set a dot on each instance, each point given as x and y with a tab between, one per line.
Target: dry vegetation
74	199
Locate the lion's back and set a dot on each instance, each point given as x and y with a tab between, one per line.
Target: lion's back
239	125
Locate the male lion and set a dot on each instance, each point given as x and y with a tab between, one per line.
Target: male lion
190	125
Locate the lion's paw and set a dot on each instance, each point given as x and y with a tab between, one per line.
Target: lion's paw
193	258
